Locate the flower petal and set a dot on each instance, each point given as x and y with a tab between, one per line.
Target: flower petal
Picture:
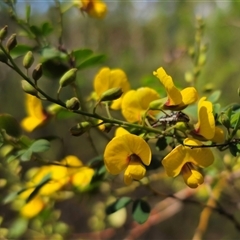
174	161
119	149
31	123
121	131
189	95
32	208
134	171
174	95
202	157
206	123
192	177
219	135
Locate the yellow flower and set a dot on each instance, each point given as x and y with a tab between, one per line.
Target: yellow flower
80	176
130	153
59	177
176	99
185	160
94	8
37	116
107	79
205	126
136	102
32	208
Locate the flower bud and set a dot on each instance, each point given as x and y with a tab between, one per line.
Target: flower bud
3	57
37	72
68	77
28	59
28	88
111	94
105	127
3	32
11	42
157	104
80	128
73	104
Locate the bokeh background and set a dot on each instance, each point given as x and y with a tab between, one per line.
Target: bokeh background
138	37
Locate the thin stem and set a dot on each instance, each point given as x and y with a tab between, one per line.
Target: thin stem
60	21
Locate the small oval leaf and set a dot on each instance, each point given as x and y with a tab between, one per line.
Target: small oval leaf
120	203
140	211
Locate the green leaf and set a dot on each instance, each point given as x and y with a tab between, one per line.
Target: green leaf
26	156
28	12
46	28
37	31
40	145
140	211
91	61
18	228
51	53
234	150
10	197
235	120
1	140
214	96
20	50
17	155
120	203
10	124
44	181
81	54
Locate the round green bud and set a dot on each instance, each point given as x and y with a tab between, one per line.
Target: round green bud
11	42
80	128
37	72
73	104
28	88
224	120
3	32
157	104
111	94
68	77
28	60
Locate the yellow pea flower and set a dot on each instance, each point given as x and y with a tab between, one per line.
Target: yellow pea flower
129	153
136	102
107	79
185	160
176	99
94	8
205	126
37	116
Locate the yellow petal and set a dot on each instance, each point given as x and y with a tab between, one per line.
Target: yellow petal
192	177
32	208
82	178
31	123
135	102
118	151
134	171
72	164
97	9
174	95
174	161
206	122
201	157
121	131
219	135
189	95
107	79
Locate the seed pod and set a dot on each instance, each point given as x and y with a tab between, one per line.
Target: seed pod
3	32
73	104
37	72
111	94
3	57
80	128
68	78
28	88
28	60
11	42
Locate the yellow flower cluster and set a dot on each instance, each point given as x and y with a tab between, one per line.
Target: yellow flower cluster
131	153
69	171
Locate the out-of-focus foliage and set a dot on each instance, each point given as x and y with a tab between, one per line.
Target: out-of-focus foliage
104	105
